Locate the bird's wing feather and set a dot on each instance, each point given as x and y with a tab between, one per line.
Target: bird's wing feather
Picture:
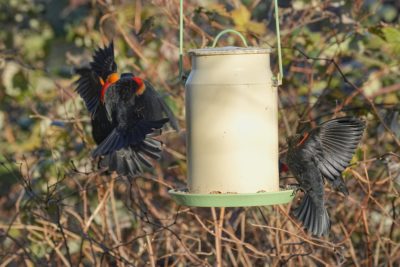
161	107
123	136
103	61
339	139
172	119
88	87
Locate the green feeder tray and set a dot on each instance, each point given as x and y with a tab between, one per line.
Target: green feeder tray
232	200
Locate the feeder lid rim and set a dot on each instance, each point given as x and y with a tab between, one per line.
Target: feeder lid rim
229	50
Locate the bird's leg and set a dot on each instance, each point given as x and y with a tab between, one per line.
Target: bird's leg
295	188
290	186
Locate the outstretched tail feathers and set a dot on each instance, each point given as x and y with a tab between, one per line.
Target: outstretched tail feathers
314	218
124	137
132	159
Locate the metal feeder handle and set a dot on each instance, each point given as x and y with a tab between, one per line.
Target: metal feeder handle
230	31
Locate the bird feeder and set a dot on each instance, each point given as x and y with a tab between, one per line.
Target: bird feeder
232	129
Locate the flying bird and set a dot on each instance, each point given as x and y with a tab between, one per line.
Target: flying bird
126	113
323	152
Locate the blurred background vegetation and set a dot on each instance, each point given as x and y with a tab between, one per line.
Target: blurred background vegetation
340	57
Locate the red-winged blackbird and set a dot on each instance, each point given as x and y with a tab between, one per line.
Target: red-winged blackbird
323	152
125	111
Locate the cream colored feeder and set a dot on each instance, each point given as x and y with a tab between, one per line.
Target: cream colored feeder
232	129
231	115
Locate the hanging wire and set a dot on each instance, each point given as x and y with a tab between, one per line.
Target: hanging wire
278	36
180	40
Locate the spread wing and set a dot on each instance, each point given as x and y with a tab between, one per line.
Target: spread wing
172	119
339	139
103	63
158	106
88	87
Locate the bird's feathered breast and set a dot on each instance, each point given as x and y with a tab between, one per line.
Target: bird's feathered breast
120	94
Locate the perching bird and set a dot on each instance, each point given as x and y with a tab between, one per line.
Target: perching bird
324	151
125	111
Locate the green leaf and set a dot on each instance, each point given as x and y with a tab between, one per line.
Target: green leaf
241	16
372	85
392	35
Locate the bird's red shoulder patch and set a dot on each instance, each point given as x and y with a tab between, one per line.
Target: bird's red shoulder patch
103	91
112	78
141	86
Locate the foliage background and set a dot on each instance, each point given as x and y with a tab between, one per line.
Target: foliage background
340	57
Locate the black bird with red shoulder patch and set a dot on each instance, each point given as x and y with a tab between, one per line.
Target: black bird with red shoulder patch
126	112
325	151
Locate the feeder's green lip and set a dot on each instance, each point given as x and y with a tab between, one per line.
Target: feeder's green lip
232	200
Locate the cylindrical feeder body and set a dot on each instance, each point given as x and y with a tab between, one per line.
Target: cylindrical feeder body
232	121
